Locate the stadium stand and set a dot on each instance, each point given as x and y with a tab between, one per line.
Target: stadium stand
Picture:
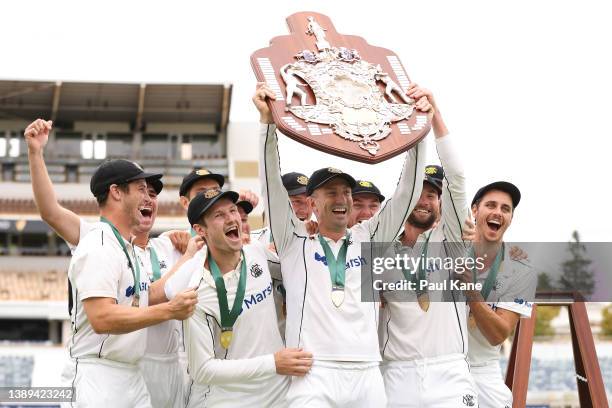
16	371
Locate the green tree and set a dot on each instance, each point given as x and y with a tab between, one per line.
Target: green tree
577	274
544	283
606	321
544	315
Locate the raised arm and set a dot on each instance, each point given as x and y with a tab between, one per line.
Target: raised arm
204	368
387	223
283	221
63	221
454	198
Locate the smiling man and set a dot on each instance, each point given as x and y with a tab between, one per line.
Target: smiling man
423	335
367	200
508	291
233	344
325	314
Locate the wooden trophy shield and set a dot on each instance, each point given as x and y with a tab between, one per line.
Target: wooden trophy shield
338	94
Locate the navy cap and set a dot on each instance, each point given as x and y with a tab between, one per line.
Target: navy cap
367	187
434	175
197	174
322	176
295	183
206	199
504	186
245	205
121	171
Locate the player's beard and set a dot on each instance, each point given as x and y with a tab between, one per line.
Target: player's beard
427	224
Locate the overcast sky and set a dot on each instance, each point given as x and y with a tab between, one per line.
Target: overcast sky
524	86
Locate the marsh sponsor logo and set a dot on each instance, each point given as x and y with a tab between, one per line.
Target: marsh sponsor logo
351	263
258	297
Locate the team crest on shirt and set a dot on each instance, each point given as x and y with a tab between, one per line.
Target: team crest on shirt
162	264
256	270
498	285
468	400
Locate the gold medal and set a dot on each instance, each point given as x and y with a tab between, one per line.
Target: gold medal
337	296
226	338
423	300
471	321
136	301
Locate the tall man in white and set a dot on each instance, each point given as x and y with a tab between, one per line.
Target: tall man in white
508	291
424	342
325	314
233	344
163	374
111	293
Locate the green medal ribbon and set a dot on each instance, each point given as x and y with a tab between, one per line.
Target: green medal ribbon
228	318
192	232
155	264
420	274
336	266
492	276
136	271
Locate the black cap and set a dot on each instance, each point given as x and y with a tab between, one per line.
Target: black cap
322	176
245	205
197	174
434	175
504	186
120	171
295	183
204	200
364	186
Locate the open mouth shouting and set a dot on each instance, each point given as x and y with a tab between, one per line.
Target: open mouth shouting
233	233
146	212
494	224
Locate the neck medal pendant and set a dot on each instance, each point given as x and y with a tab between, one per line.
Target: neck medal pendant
136	301
423	300
337	296
226	338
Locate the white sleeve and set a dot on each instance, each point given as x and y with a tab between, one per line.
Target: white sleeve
454	198
97	271
283	221
388	222
204	368
84	228
519	296
171	254
185	277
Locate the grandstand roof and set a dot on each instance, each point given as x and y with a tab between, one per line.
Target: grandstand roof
67	102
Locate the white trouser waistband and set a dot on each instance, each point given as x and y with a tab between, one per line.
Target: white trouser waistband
106	362
345	365
426	361
161	358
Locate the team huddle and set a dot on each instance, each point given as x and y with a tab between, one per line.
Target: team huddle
221	316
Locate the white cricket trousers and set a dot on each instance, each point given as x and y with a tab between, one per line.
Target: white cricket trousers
164	376
331	384
103	383
492	390
439	382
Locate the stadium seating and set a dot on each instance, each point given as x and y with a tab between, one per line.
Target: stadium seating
33	285
16	371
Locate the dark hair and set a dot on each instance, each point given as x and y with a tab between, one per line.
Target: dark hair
102	198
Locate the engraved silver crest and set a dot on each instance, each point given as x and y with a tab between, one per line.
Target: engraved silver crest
346	90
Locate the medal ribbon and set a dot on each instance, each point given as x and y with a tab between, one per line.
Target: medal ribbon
420	273
490	281
192	232
155	264
337	267
228	318
135	271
